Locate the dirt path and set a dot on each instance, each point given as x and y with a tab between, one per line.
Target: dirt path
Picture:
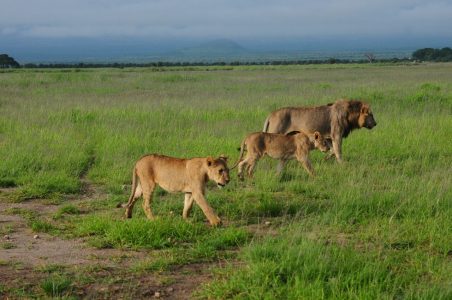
25	256
32	249
27	247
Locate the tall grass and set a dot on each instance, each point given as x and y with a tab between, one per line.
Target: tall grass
374	227
294	266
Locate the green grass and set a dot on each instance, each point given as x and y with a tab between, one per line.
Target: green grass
375	227
56	286
6	229
293	266
188	242
67	209
7	245
34	221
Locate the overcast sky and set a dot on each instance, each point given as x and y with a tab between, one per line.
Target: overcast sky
224	19
56	30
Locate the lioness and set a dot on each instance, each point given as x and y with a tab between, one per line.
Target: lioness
177	175
279	146
335	119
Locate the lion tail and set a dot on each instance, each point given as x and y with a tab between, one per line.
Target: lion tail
134	187
242	151
266	124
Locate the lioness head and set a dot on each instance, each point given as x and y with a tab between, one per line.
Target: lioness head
366	118
218	170
321	143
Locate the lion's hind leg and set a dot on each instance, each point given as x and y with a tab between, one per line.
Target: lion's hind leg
148	189
251	166
242	164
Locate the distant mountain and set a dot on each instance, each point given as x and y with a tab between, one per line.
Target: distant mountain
225	50
213	50
142	50
220	45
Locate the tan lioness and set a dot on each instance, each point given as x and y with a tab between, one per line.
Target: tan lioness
295	144
336	119
177	175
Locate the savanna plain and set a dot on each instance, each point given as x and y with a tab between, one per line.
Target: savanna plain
378	226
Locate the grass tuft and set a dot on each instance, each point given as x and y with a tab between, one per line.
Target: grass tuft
68	209
56	286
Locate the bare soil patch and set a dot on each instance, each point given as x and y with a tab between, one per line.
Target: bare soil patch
94	273
34	249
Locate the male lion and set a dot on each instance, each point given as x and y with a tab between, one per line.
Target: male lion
279	146
335	119
177	175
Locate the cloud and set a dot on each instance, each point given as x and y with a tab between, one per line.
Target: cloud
230	19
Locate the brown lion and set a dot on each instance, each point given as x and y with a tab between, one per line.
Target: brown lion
336	119
177	175
295	144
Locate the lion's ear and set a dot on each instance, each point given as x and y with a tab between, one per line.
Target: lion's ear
223	157
209	161
316	135
364	109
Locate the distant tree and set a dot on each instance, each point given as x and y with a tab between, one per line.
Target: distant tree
445	54
423	54
370	57
332	60
431	54
7	61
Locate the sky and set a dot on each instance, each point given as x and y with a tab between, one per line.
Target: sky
43	23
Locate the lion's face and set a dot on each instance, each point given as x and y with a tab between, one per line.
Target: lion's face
321	143
366	118
218	170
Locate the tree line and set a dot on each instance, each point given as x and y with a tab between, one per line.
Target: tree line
206	64
431	54
425	54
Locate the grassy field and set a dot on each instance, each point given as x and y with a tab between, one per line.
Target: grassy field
378	226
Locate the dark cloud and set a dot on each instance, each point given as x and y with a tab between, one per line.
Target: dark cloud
227	19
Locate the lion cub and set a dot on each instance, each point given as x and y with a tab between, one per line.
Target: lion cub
177	175
295	144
